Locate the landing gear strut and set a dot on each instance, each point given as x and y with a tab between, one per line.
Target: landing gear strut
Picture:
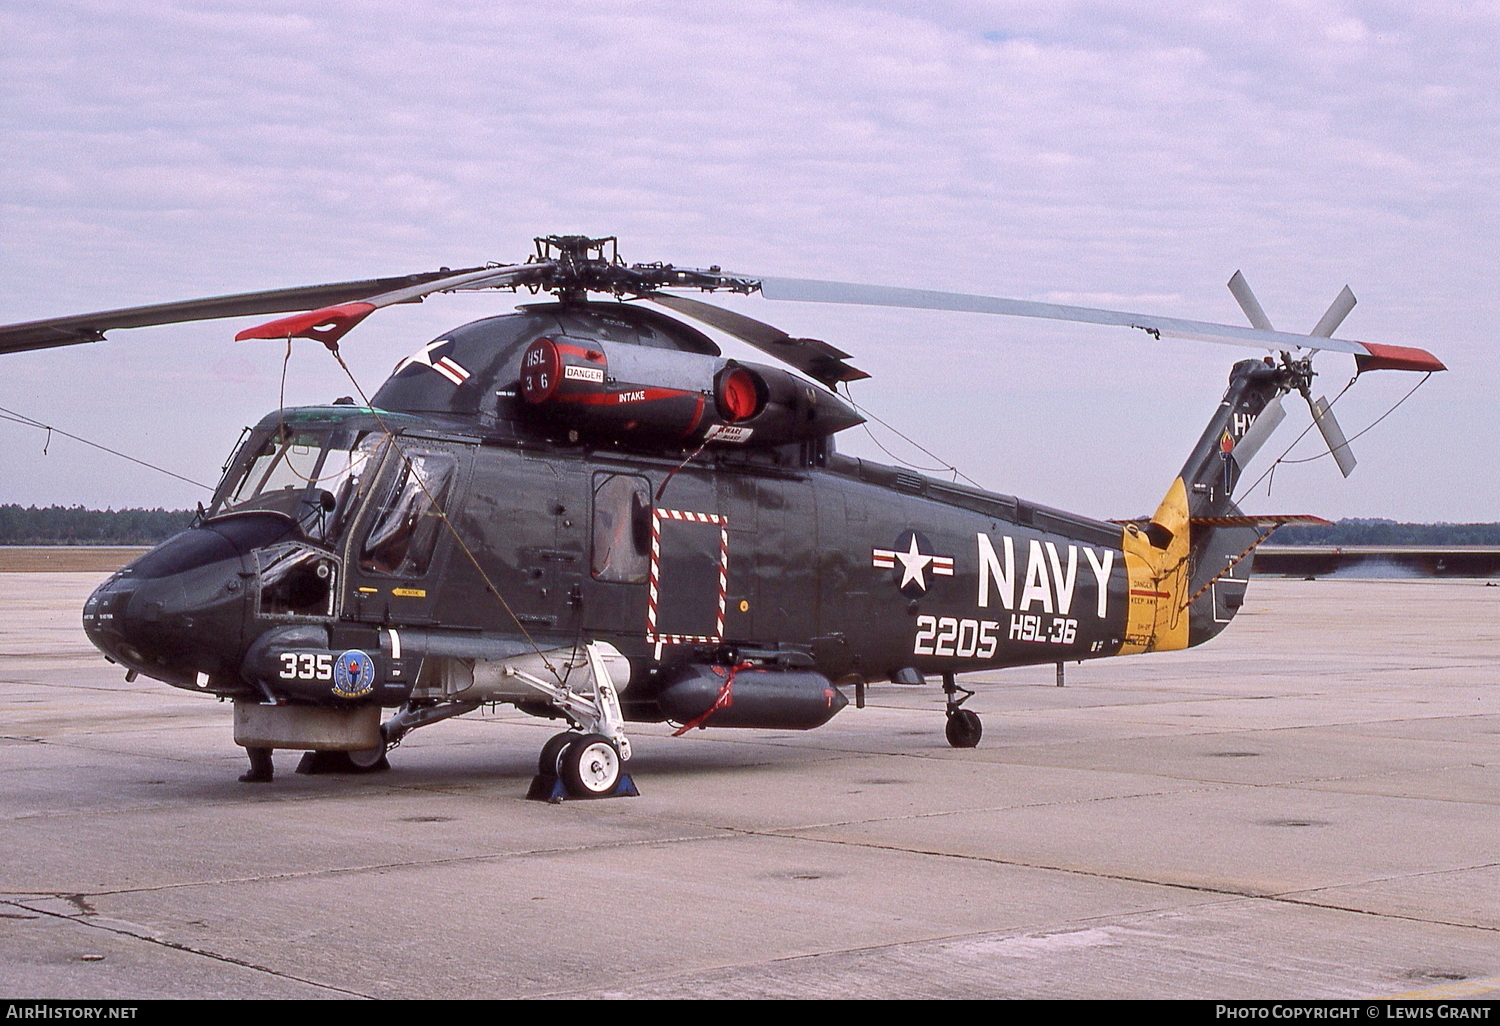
591	761
964	728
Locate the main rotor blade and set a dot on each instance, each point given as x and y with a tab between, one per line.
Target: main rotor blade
331	323
1369	355
818	360
67	331
1254	312
1328	425
1337	311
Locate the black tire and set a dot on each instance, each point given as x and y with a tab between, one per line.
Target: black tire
590	766
964	729
546	763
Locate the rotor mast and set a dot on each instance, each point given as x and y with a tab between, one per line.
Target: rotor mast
578	264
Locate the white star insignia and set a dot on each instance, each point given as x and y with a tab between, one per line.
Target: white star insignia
915	564
446	366
913	561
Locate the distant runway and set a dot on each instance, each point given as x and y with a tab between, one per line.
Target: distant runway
1308	806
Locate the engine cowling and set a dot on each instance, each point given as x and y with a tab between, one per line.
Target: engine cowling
634	393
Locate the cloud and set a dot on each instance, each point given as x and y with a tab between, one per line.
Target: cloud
160	150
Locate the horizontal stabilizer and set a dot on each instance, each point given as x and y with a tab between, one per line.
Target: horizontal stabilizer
1265	520
1271	520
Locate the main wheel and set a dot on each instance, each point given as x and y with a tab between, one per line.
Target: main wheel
590	766
546	763
964	729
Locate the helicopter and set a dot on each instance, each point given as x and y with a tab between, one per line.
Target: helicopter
585	510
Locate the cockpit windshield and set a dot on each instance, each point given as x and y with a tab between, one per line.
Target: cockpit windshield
314	474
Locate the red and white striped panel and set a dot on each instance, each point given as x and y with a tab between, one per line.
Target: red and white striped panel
689	516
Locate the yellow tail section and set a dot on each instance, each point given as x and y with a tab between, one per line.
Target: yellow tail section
1157	620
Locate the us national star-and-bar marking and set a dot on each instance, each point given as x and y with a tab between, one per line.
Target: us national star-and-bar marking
914	562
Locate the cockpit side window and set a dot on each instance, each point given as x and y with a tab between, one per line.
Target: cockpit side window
348	475
622	528
405	530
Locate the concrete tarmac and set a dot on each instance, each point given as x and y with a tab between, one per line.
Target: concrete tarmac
1305	807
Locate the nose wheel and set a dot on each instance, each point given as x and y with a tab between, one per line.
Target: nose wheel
964	728
371	760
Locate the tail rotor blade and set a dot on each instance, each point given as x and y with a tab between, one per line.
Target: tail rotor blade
1333	435
1248	303
1342	304
1250	442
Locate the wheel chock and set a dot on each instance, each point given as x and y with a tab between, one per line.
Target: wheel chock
548	788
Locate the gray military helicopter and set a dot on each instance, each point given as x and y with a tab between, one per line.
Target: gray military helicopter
585	510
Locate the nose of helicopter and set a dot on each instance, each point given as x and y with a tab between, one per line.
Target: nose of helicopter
178	613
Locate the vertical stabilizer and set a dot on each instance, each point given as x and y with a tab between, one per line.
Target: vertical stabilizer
1187	582
1231	439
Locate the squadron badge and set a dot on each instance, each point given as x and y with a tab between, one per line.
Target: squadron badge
354	674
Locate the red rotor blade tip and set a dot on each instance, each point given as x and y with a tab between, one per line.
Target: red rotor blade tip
1397	358
327	325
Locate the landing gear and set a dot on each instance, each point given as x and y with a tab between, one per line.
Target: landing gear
261	769
371	760
588	762
964	728
578	765
546	763
590	766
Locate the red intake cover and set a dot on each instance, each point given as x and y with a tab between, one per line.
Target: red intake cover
559	370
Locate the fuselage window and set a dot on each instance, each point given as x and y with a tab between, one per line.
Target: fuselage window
622	528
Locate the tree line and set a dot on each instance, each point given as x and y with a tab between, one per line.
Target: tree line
1387	532
75	525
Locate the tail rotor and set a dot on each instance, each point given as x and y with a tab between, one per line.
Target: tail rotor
1322	410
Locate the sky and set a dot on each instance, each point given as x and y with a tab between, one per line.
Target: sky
1123	155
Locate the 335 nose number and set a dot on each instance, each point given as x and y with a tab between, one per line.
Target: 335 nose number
978	639
306	666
